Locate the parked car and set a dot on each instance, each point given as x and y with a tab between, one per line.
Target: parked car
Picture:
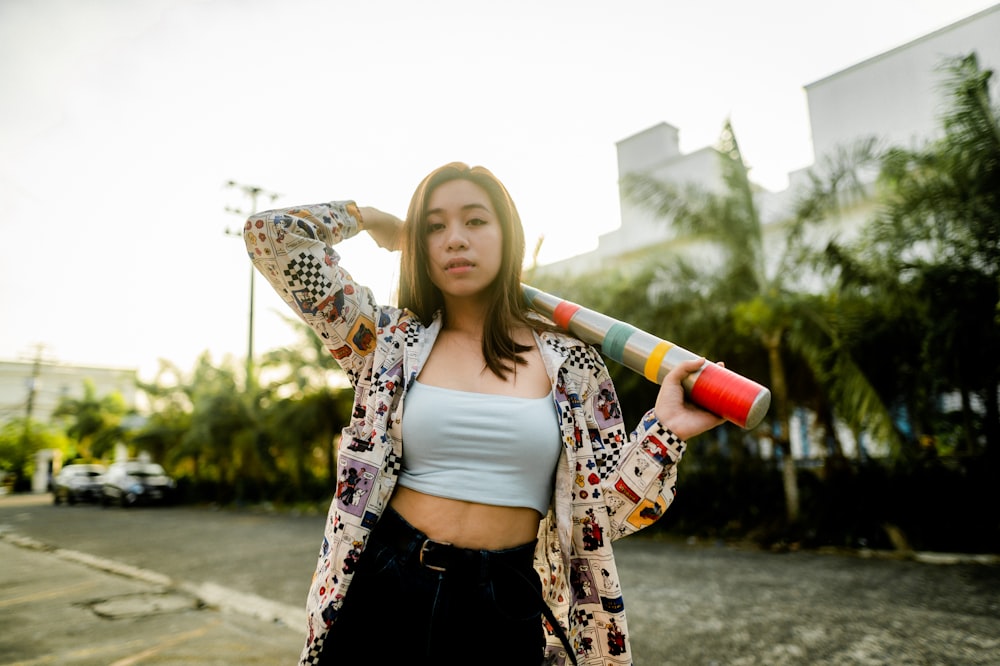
129	483
78	483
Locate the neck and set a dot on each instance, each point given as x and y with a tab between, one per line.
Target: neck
465	317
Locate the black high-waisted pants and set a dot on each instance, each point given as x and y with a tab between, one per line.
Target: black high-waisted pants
415	601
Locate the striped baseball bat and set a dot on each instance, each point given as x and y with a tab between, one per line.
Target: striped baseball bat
719	390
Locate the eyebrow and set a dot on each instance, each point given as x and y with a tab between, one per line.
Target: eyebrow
466	207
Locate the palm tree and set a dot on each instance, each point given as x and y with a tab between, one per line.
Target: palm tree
304	425
936	245
94	422
756	286
207	425
169	418
309	401
204	423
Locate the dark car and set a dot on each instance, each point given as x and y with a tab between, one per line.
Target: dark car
130	483
78	483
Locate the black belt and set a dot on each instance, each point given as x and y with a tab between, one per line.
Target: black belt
439	556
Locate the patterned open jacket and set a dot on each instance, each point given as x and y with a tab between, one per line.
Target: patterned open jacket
609	482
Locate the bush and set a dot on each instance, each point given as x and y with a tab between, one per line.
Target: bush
947	505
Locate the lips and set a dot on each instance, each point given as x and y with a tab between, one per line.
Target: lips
458	265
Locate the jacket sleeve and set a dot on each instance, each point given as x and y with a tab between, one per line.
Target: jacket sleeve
640	468
293	249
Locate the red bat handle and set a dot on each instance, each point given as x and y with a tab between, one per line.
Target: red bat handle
732	396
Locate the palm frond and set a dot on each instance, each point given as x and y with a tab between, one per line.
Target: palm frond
818	340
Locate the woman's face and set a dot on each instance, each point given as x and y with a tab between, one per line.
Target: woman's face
464	239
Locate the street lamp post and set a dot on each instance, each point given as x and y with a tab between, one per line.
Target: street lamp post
253	192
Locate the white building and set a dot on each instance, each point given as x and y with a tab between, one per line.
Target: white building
39	386
895	96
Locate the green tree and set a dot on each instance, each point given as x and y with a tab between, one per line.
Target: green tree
308	402
277	439
304	429
206	428
94	422
222	443
760	292
19	442
162	434
935	249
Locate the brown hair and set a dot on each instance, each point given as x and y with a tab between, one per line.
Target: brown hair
507	308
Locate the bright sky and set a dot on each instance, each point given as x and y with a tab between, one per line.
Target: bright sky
122	120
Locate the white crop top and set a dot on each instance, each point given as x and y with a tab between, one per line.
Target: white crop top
478	447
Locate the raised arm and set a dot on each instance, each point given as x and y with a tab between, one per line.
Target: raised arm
293	249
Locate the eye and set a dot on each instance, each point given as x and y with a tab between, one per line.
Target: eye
434	226
476	222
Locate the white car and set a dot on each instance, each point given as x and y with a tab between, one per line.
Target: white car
133	482
78	483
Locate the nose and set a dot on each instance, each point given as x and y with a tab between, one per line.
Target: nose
457	239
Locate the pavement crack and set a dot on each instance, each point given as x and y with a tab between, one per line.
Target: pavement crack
143	604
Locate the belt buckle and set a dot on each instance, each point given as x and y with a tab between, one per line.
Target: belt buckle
423	551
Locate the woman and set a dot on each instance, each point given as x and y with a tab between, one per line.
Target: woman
483	476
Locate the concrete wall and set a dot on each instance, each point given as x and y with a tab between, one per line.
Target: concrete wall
897	95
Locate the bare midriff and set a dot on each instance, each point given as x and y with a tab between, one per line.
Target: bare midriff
466	524
456	363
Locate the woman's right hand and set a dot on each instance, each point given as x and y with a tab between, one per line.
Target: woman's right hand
384	228
684	418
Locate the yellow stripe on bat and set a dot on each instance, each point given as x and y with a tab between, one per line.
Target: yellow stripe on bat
654	360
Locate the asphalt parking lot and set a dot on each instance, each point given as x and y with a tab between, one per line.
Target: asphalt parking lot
85	585
59	607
